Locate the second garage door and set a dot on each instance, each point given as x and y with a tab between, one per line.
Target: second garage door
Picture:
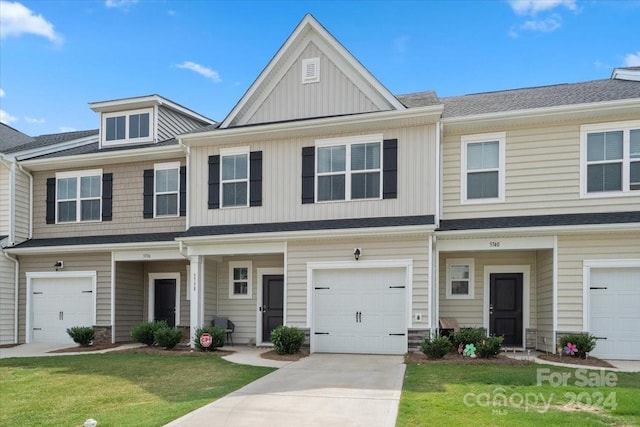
359	311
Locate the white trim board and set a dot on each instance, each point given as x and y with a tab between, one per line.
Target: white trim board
152	293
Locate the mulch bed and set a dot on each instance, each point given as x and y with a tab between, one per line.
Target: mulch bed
454	358
177	351
591	361
272	355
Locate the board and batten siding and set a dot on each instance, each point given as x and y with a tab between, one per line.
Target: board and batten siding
282	186
7	301
5	203
242	312
572	251
172	123
98	262
469	312
542	177
544	287
299	253
129	299
127	205
335	93
21	206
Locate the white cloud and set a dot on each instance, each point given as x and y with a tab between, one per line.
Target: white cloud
66	129
532	7
122	4
34	120
202	70
548	25
16	20
7	118
632	59
1	93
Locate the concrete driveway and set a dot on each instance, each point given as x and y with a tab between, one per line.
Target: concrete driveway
320	390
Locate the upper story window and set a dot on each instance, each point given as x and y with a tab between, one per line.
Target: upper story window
132	126
240	279
483	166
349	168
610	159
79	196
167	189
459	278
234	177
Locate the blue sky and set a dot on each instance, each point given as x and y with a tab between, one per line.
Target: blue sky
57	56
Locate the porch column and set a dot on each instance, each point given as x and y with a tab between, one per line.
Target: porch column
195	282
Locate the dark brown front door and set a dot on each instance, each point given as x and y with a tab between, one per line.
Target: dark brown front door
272	304
505	310
165	301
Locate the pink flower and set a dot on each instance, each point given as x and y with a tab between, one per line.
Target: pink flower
571	349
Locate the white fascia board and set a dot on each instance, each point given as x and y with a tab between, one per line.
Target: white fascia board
107	157
110	247
576	110
533	231
426	115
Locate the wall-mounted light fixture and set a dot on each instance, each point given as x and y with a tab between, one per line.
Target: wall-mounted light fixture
58	265
356	253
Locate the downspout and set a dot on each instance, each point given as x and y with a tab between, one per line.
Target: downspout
438	195
15	295
11	166
24	171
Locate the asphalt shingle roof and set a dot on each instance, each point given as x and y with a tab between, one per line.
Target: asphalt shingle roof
52	139
11	138
100	240
94	148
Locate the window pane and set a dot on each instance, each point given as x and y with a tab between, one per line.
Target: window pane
331	187
483	155
240	273
111	128
324	159
606	177
66	211
332	159
144	125
595	146
67	188
635	143
234	194
134	126
234	167
460	287
167	180
482	185
89	210
90	186
474	156
460	272
365	156
166	204
120	126
240	288
365	185
241	166
634	172
613	145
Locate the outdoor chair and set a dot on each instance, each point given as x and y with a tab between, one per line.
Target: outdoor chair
225	324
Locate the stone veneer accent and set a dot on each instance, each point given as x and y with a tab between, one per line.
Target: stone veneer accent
102	335
416	336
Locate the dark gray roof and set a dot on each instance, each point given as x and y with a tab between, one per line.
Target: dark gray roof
540	97
52	139
540	221
11	138
332	224
94	148
420	99
100	240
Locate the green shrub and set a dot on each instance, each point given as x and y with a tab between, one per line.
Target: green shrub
436	348
489	347
584	342
468	336
82	335
217	337
145	332
168	337
287	339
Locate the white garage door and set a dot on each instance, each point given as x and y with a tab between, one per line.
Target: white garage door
60	303
615	312
359	311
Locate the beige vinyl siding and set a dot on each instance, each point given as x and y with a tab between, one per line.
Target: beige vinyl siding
210	290
572	251
334	94
98	262
7	301
300	253
542	177
242	312
544	287
129	299
127	206
171	267
282	187
172	123
5	203
469	312
22	207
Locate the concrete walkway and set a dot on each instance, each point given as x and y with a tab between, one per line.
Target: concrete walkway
320	390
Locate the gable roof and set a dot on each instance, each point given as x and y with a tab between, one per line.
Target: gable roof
12	139
308	32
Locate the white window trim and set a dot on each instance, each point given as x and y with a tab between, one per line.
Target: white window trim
624	126
234	152
127	140
152	294
465	140
348	142
241	264
460	261
165	166
78	199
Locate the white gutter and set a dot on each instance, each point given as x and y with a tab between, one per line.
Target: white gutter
30	199
106	247
15	294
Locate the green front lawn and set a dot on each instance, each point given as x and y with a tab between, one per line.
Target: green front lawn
495	395
116	389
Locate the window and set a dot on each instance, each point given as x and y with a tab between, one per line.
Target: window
240	279
611	159
79	196
167	189
482	177
235	177
459	278
134	126
349	168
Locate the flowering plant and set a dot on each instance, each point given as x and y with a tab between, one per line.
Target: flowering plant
571	349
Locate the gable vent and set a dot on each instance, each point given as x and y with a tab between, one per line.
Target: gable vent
310	70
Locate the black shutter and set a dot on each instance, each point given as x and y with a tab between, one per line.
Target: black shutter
308	174
255	178
214	182
51	200
107	196
148	193
390	169
183	191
